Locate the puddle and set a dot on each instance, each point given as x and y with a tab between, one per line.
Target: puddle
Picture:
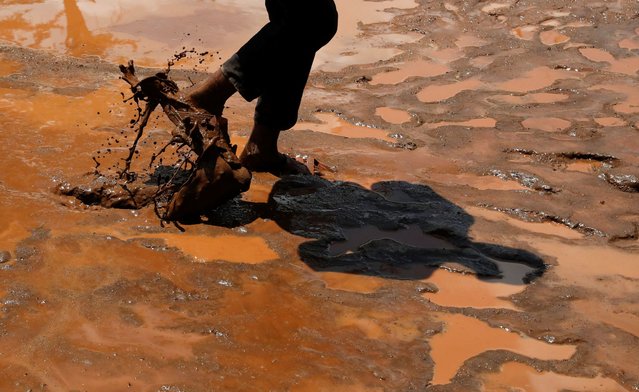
548	228
468	291
629	44
610	122
444	56
552	37
393	116
630	105
442	92
466	337
516	376
548	124
355	283
347	47
584	166
234	249
411	236
621	317
526	33
334	125
583	265
474	123
626	66
491	8
536	79
419	68
102	28
528	99
477	182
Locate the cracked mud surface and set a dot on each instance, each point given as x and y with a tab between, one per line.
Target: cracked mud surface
480	231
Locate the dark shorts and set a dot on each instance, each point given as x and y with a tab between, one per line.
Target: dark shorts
274	65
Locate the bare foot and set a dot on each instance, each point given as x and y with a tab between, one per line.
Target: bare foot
275	163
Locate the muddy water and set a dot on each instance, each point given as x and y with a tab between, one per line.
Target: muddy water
412	264
464	337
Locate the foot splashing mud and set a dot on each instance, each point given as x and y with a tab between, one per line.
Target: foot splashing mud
207	174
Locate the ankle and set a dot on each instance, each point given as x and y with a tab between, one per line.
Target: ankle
213	93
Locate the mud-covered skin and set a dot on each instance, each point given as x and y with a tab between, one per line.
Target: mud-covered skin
97	299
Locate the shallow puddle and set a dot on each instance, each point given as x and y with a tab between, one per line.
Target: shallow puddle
630	105
583	265
475	181
626	66
118	30
355	283
536	79
393	116
419	68
334	125
610	121
442	92
466	337
469	291
526	33
347	48
231	248
411	236
474	123
518	376
629	44
548	228
548	124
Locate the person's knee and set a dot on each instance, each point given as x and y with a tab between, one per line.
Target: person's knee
324	27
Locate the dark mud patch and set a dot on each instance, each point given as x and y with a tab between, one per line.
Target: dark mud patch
563	157
624	182
526	179
396	229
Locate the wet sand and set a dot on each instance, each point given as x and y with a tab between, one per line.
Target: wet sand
470	236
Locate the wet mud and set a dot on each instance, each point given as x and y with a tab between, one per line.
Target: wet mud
474	228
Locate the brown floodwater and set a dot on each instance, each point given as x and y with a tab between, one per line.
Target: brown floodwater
464	236
464	337
525	378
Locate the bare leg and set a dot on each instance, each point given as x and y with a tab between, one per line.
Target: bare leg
212	94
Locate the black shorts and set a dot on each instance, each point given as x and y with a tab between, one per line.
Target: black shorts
274	65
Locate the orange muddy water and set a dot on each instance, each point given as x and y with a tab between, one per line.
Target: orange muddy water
476	227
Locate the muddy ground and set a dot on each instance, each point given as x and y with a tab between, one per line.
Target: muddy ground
479	232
